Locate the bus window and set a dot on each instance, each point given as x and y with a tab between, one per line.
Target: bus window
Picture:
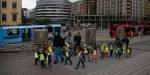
57	29
50	29
12	32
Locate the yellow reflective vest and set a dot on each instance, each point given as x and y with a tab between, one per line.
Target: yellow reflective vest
41	57
94	52
67	54
124	47
128	50
79	55
50	51
107	49
102	48
85	50
36	55
111	48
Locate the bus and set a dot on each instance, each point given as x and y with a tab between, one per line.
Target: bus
128	29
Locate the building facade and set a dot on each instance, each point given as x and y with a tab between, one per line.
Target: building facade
86	12
10	12
146	11
120	11
27	16
52	11
103	13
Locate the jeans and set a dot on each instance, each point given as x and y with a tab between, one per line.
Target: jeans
58	54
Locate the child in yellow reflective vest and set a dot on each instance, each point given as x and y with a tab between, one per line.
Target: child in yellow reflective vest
36	57
94	54
124	50
106	51
42	59
49	56
102	49
85	54
111	51
80	56
67	55
129	52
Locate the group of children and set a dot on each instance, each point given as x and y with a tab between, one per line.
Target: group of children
91	54
43	56
108	51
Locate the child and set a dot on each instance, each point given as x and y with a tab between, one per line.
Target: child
129	52
80	56
67	55
118	52
106	51
36	56
49	56
85	52
94	54
102	51
42	60
124	50
111	51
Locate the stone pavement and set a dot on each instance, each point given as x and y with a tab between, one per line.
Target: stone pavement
101	64
22	63
12	48
139	65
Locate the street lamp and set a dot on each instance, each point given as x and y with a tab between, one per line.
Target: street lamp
101	18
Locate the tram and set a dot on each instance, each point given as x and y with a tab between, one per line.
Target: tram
20	34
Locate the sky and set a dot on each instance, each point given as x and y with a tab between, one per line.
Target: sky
31	3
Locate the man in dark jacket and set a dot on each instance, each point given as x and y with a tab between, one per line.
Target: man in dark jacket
126	41
77	41
58	43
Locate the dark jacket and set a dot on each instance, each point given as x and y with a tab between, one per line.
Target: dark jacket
58	41
77	40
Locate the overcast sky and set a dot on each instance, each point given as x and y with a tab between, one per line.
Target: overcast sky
31	3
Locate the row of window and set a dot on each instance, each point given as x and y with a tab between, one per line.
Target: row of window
53	10
61	5
14	17
4	4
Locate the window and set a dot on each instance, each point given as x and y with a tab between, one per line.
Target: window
14	17
14	5
4	17
4	4
12	32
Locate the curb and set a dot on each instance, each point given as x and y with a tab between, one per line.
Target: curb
138	42
16	51
140	49
13	51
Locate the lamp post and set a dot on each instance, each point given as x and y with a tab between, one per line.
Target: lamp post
0	12
101	17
